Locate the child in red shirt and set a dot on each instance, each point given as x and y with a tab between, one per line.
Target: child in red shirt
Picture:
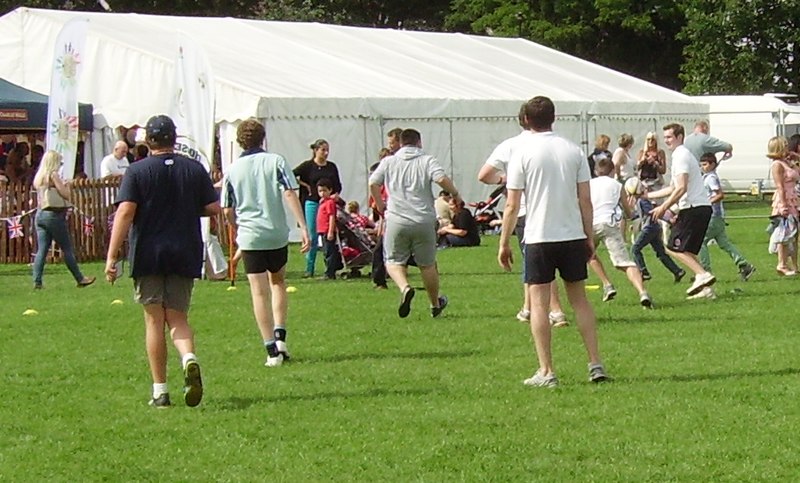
326	228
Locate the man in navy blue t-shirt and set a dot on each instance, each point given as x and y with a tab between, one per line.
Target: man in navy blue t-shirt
161	200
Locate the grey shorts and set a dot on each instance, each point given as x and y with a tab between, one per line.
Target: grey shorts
170	291
611	236
402	241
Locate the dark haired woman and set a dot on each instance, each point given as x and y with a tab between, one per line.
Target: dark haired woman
308	173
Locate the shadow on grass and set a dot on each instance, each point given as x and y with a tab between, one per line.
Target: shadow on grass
792	371
389	355
16	270
238	403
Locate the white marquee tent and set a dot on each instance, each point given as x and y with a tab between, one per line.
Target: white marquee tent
345	84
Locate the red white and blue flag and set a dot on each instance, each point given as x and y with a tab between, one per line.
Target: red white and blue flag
15	227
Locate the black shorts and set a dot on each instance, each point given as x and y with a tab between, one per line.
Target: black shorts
689	230
542	260
259	261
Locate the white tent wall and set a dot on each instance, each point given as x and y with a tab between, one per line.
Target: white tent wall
348	85
748	122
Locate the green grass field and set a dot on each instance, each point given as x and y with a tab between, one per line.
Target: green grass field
703	391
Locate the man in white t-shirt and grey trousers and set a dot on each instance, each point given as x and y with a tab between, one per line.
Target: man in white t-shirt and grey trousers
554	175
687	190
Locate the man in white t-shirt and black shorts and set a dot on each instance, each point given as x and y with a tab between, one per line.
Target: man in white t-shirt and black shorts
494	172
687	190
554	175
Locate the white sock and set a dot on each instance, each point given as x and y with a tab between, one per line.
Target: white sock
189	356
159	388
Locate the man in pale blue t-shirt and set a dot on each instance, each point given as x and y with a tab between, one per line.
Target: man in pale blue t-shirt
253	194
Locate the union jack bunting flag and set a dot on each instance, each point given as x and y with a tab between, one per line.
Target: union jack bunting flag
15	227
88	225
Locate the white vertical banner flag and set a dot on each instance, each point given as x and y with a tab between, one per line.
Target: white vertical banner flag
192	110
193	100
62	107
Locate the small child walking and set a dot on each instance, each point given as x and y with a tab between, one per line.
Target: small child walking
326	229
716	227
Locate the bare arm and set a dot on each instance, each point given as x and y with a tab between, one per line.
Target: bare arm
447	185
618	158
662	162
490	175
211	209
60	186
625	204
230	215
717	196
587	212
375	191
777	180
293	201
452	230
122	223
504	255
680	183
331	235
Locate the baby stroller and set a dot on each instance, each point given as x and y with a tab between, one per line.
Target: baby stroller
486	211
355	245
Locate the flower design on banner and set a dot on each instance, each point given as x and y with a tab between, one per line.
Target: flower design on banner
65	131
15	227
67	65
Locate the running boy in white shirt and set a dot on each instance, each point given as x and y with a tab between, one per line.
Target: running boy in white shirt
608	205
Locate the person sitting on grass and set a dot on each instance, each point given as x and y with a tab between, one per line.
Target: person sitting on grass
326	229
608	204
716	227
443	213
462	230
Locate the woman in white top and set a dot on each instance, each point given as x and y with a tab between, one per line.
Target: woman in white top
53	196
624	164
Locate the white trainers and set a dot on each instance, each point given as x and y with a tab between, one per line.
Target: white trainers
558	319
274	361
283	349
524	316
704	293
645	300
538	380
705	279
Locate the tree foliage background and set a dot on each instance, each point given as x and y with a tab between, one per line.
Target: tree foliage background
698	46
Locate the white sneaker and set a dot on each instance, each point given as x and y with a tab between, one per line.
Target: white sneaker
539	380
274	361
705	279
283	349
524	315
558	319
645	300
704	293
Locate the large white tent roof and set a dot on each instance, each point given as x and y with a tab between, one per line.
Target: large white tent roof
293	70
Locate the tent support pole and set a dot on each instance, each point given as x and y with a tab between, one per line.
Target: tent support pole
452	160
